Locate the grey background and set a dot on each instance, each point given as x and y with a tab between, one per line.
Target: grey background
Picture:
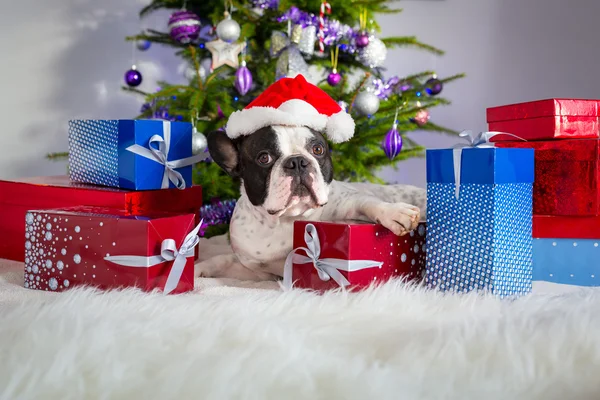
69	62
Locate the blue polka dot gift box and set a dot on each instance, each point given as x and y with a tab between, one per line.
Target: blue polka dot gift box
479	217
131	154
352	255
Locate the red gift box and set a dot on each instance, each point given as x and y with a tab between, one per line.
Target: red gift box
352	254
566	176
546	119
16	197
566	227
108	249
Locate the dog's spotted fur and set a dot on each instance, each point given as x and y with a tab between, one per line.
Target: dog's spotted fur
296	184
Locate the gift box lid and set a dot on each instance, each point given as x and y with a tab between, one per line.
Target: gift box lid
543	108
560	150
481	165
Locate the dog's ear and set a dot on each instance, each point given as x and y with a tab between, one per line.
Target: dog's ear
224	152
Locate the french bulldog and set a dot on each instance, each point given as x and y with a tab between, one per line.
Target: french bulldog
286	174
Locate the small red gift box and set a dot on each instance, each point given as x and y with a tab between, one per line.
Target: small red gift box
566	176
109	249
354	255
545	119
16	197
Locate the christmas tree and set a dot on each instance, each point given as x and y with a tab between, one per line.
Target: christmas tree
236	49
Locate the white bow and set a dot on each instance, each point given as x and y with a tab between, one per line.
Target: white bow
168	252
160	154
327	268
480	140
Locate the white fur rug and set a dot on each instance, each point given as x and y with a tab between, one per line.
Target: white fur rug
394	342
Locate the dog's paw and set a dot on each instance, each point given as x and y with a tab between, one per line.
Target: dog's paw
400	218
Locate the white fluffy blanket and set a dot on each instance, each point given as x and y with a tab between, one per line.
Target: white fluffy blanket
225	342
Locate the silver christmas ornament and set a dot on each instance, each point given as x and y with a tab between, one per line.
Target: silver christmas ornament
228	30
288	51
374	54
198	142
366	103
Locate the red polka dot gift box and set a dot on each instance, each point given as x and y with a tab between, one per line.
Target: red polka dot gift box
353	255
104	248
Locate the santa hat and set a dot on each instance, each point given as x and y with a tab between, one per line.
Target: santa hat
293	102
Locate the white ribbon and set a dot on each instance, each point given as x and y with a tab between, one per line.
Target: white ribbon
327	268
480	140
160	154
168	252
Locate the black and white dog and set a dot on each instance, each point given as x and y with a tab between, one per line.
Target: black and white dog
287	174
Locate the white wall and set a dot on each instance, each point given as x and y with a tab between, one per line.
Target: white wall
69	64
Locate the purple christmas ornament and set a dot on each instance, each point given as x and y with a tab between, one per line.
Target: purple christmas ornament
184	26
433	86
334	78
243	79
133	77
392	143
362	40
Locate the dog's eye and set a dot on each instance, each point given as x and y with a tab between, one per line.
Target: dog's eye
318	150
264	158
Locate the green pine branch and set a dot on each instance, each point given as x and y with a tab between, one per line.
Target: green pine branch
209	98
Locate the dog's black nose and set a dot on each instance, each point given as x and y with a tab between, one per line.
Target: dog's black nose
296	163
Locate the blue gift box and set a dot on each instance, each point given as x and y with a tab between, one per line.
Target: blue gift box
567	261
479	216
131	154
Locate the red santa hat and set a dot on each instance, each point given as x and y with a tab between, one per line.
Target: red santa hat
293	102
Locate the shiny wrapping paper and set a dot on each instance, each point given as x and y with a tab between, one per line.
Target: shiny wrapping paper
73	247
546	119
566	227
566	176
398	256
16	197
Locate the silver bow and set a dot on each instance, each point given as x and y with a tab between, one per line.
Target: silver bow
479	140
327	268
168	252
289	50
160	154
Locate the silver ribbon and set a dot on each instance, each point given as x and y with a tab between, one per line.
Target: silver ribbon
168	252
479	140
327	268
160	154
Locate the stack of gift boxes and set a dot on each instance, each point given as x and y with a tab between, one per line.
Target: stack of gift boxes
492	226
127	214
566	194
514	205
